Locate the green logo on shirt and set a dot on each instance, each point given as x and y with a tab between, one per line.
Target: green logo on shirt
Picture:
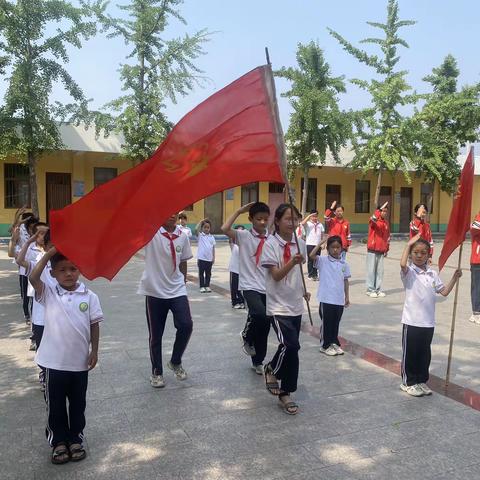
83	306
178	248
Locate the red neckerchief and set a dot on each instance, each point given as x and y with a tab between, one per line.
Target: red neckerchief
171	238
287	252
258	252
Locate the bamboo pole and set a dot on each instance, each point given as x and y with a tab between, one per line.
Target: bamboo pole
454	315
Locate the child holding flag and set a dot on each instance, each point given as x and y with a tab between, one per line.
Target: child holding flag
284	292
475	269
422	284
252	279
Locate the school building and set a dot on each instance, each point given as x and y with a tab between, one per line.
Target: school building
65	176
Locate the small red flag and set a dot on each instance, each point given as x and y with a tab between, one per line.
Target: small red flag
459	222
230	139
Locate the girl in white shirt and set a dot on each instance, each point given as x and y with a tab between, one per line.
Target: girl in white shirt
284	291
332	293
205	254
422	284
233	267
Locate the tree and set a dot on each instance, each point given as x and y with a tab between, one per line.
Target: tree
381	141
35	60
448	119
316	123
158	69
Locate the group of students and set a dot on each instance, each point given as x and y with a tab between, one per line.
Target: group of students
64	315
270	286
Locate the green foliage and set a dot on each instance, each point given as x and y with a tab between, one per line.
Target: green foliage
316	123
157	69
448	119
381	140
33	60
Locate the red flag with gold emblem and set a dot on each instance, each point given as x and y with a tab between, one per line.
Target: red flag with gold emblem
232	138
459	222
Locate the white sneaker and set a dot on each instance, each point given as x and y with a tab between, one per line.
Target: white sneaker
373	294
381	294
413	390
338	349
330	351
208	289
237	306
156	381
178	370
425	388
202	290
475	318
258	369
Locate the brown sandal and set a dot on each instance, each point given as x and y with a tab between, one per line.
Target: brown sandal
272	387
77	452
60	454
290	408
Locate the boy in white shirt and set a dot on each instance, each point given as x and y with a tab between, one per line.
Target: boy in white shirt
205	254
69	349
163	284
313	236
252	279
182	218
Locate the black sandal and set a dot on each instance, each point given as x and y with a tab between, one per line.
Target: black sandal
290	408
60	454
272	387
77	452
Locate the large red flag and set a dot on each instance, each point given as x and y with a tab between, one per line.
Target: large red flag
232	138
459	222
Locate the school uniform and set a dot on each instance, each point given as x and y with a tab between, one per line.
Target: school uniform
64	352
22	277
285	305
314	233
331	297
164	288
419	226
252	284
340	227
233	267
418	319
378	244
186	230
475	265
206	245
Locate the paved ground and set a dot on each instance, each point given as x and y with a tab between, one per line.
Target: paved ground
354	422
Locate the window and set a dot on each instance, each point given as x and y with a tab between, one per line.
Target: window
333	193
311	194
188	208
362	196
276	188
249	193
103	175
17	186
426	195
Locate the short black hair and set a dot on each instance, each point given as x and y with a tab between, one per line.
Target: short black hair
39	224
421	241
258	207
182	215
26	215
280	212
333	239
30	221
314	210
339	205
58	257
418	205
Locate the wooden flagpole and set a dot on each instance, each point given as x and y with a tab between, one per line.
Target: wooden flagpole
289	191
454	315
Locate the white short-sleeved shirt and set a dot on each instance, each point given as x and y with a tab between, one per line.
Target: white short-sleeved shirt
314	233
206	244
66	337
23	238
234	260
186	230
286	296
421	289
33	255
251	274
38	311
159	278
332	273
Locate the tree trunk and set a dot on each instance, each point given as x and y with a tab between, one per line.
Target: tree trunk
377	190
305	190
32	173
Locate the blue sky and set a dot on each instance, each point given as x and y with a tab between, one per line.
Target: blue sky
244	28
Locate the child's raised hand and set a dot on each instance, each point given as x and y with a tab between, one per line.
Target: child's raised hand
16	234
384	206
52	251
414	239
333	205
245	208
34	237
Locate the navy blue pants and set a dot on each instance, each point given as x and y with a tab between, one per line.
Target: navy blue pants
204	273
416	354
157	311
26	300
65	425
330	316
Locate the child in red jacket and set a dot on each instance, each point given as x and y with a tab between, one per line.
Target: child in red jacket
337	225
419	225
475	269
377	248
